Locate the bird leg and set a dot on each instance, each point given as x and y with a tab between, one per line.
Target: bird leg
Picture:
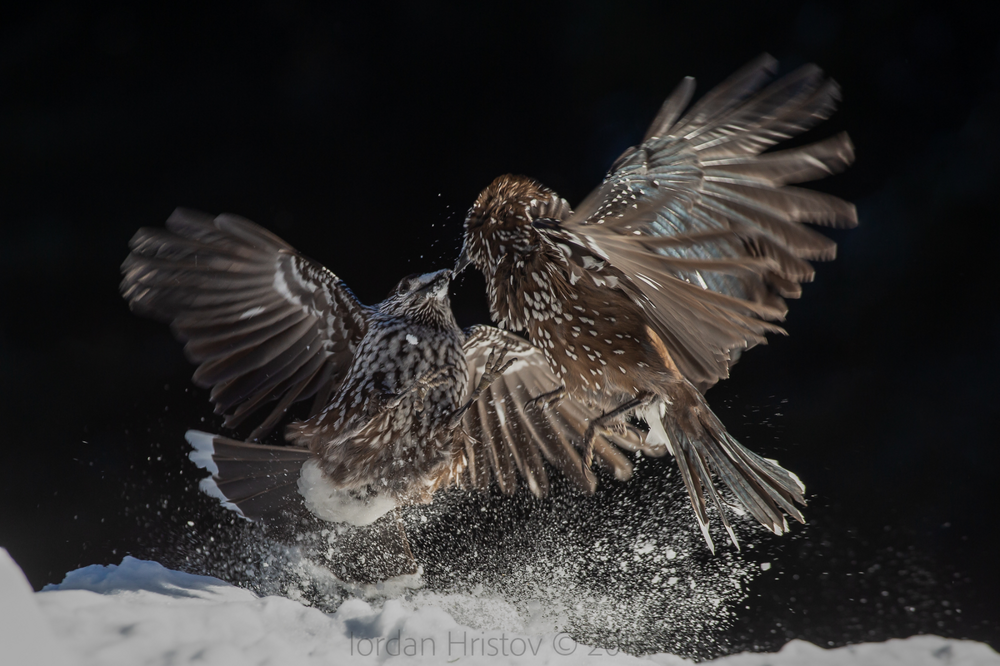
495	367
603	422
379	401
428	381
382	401
547	400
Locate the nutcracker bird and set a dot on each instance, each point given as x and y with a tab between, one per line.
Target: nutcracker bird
404	403
644	297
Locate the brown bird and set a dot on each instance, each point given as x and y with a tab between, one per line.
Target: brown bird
644	297
404	403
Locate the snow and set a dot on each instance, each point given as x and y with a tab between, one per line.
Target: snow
139	612
26	638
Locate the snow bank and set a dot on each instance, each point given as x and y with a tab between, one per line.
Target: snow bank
142	613
25	636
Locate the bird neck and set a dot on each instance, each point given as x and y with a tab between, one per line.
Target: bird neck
429	312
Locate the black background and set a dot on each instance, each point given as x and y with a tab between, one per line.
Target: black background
361	135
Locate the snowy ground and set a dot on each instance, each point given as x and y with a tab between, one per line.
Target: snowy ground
142	613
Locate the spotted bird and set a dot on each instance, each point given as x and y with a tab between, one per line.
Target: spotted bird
644	297
403	402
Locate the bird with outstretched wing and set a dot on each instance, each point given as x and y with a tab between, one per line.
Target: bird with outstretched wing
643	297
403	403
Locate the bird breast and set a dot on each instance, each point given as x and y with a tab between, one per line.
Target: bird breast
528	287
359	440
397	356
601	352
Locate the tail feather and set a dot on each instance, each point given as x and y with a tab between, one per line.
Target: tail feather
704	474
783	486
258	482
701	447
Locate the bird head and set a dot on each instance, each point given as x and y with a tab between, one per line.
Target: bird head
423	297
500	221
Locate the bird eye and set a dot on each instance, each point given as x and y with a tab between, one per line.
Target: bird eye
405	285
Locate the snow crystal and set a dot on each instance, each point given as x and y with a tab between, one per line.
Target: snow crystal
645	547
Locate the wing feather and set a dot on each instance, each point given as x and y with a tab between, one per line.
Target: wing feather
263	322
510	437
702	229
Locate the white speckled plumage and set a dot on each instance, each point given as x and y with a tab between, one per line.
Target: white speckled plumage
677	263
268	325
359	443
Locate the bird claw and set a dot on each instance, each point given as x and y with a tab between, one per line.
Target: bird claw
379	401
430	379
547	400
588	450
495	367
606	423
588	474
382	401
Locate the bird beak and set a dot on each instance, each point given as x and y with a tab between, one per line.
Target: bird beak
463	261
438	281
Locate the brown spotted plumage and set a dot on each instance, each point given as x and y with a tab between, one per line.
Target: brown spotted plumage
404	403
644	296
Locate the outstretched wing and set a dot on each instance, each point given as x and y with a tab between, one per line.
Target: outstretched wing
261	321
507	435
704	227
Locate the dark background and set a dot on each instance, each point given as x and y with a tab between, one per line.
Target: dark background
361	135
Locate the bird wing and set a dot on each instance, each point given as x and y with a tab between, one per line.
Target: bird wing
261	321
506	435
704	227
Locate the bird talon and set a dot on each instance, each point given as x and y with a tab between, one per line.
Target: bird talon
381	401
547	400
588	448
588	472
495	364
495	367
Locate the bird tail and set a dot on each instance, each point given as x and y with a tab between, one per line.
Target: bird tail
256	481
260	483
699	442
